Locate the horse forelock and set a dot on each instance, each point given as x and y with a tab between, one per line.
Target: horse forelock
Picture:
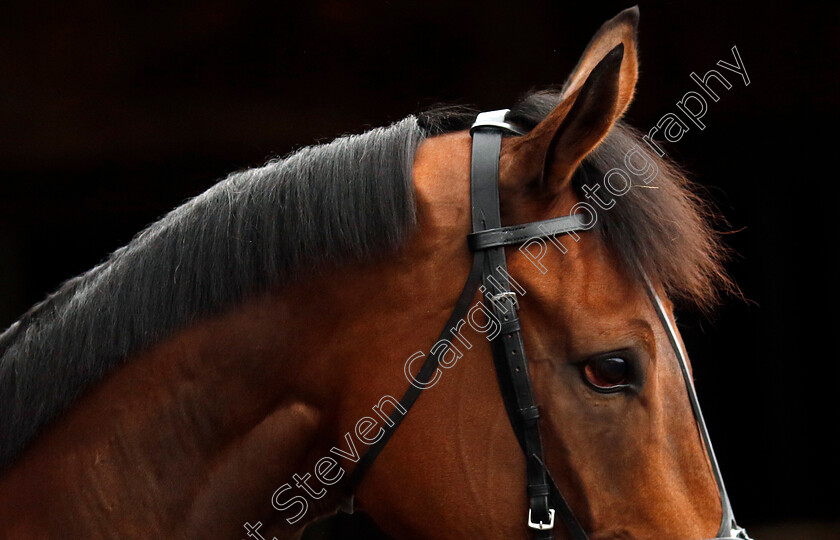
662	225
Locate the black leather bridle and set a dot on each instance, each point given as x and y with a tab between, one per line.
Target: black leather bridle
489	275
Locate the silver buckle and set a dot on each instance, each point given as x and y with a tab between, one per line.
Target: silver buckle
495	119
540	526
735	533
738	532
508	294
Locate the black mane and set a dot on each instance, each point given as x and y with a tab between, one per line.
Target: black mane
324	204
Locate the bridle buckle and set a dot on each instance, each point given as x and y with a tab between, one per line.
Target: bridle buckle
495	119
505	295
540	526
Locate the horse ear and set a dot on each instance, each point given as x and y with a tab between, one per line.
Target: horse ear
621	29
595	97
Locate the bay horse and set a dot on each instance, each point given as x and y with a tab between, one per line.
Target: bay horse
223	375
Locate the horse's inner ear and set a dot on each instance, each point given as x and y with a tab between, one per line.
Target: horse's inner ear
595	97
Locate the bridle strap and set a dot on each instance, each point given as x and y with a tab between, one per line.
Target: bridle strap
489	274
508	348
728	527
427	370
517	234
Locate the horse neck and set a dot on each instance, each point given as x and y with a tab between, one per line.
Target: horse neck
196	433
193	435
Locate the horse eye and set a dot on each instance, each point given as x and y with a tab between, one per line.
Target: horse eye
610	373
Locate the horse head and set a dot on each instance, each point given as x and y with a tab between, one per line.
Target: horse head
300	338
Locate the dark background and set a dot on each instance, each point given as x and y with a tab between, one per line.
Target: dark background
112	113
